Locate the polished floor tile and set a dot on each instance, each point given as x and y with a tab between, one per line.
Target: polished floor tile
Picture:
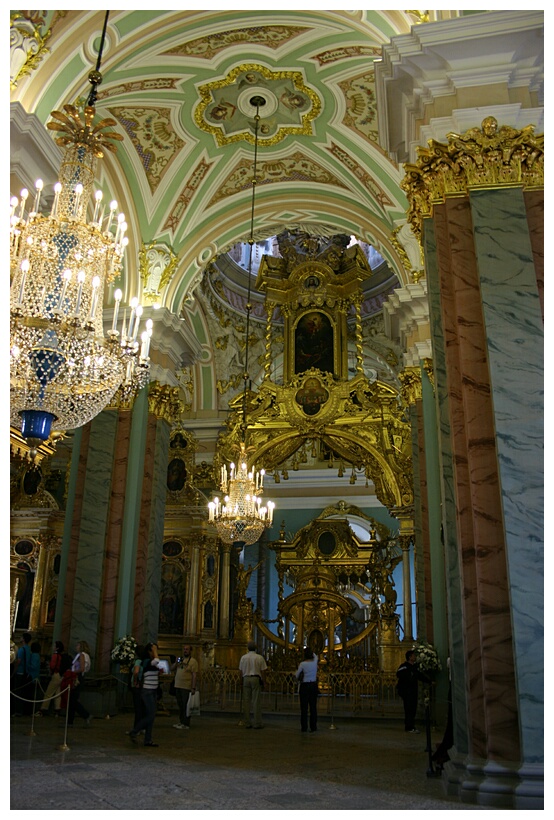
220	765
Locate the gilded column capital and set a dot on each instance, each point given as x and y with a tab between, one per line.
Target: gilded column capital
410	379
486	157
164	402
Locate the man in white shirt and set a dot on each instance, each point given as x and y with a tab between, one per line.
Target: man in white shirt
253	666
308	692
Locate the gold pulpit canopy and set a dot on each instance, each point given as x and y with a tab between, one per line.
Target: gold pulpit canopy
318	405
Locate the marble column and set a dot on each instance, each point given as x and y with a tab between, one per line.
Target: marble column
106	636
504	242
126	588
485	305
151	527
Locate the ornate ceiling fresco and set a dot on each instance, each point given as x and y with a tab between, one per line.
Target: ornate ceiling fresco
179	85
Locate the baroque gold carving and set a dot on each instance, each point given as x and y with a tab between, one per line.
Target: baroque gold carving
486	157
410	378
164	402
28	41
361	422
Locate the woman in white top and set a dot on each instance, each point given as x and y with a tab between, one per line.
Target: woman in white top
307	675
80	665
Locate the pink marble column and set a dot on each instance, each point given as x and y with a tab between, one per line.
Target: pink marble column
492	711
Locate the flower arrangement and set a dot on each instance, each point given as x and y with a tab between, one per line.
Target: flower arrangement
124	651
427	657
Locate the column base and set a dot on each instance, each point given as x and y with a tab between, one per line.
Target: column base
494	784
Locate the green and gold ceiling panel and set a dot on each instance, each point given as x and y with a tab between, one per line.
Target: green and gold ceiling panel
361	106
192	184
208	46
153	137
299	167
339	53
184	174
226	110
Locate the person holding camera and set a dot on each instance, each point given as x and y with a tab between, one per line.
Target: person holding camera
186	669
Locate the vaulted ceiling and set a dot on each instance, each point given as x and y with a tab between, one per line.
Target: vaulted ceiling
178	84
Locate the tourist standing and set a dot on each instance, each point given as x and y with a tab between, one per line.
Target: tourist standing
186	669
408	676
307	675
150	680
79	667
253	666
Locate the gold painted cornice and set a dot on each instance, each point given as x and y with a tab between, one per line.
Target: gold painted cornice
410	379
486	157
164	402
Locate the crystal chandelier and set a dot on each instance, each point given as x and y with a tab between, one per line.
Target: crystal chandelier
241	518
63	369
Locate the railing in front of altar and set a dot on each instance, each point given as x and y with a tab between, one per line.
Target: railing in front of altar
346	694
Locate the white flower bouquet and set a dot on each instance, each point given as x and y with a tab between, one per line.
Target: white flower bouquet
124	651
427	657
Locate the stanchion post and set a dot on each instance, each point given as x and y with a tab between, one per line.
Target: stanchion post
333	683
31	731
64	747
430	769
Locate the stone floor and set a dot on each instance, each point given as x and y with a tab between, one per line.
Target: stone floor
219	764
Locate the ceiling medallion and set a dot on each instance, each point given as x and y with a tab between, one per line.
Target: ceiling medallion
225	108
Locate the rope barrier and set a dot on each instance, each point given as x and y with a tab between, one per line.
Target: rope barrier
63	747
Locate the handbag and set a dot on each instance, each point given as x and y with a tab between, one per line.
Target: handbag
172	690
193	704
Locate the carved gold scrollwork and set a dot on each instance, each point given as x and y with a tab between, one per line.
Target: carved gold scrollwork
429	369
410	378
164	402
489	157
